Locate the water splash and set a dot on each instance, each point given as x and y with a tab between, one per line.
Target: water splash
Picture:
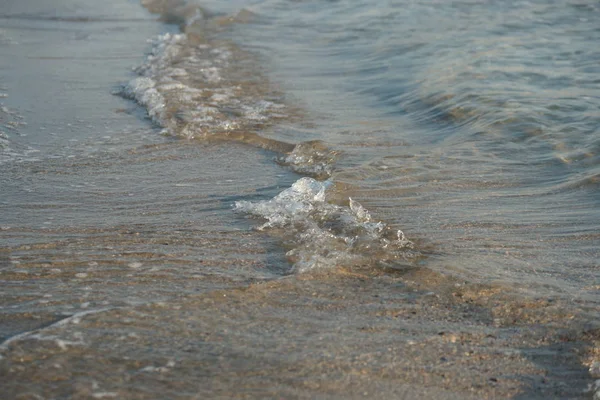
194	87
311	158
325	235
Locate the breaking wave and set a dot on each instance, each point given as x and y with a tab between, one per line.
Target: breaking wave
197	87
325	235
186	89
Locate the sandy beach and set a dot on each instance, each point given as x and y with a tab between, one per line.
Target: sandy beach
127	273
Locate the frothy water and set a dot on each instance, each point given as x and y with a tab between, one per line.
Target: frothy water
186	89
312	158
197	87
357	199
325	235
484	125
10	123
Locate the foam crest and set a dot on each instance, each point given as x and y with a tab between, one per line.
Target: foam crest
325	235
11	123
311	158
195	88
3	140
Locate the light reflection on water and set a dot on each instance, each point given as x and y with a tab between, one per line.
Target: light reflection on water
487	139
471	126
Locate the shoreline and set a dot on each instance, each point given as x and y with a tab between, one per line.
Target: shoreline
128	275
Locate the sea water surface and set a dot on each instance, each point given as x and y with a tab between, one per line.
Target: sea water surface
300	199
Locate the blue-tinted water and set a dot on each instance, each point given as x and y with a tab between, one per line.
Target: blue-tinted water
472	125
356	197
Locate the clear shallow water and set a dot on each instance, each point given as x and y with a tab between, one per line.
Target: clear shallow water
472	125
335	191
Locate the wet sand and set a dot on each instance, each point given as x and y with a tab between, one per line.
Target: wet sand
347	334
125	273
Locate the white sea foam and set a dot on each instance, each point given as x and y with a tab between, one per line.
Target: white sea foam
3	140
191	89
310	158
324	235
10	126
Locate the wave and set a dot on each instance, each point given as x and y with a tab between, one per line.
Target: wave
188	89
196	87
325	235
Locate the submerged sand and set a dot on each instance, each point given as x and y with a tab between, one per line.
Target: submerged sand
125	273
345	334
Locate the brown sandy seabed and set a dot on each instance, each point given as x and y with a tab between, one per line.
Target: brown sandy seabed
195	309
346	333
